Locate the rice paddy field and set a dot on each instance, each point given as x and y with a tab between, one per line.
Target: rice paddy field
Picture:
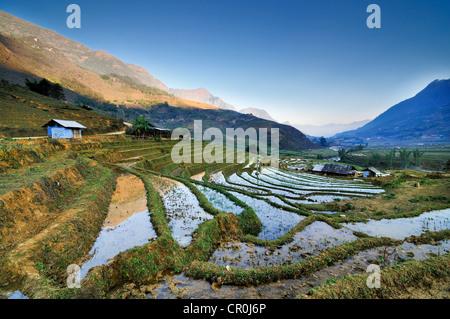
165	230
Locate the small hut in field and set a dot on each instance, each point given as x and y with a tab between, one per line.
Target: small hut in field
372	172
159	131
334	170
62	129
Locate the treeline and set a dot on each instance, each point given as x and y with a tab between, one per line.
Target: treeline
395	158
47	88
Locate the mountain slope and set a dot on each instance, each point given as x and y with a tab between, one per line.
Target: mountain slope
171	117
99	62
118	90
420	119
258	113
29	57
202	95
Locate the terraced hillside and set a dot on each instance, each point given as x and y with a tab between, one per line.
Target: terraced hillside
140	226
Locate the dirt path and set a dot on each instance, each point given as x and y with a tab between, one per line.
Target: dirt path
37	137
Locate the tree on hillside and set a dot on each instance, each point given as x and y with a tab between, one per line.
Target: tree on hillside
57	92
323	141
405	155
376	159
358	148
390	158
47	88
342	154
141	126
417	155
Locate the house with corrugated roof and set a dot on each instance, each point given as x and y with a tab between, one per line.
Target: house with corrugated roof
62	129
372	172
335	169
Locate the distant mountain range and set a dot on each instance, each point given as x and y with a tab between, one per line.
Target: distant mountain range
114	88
329	130
258	113
202	95
421	119
326	130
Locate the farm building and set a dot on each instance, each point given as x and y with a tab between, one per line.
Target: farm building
63	129
372	172
335	169
318	168
160	131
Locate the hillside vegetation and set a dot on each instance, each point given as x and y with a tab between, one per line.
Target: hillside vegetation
24	112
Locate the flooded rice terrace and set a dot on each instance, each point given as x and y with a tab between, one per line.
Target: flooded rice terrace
126	225
182	208
307	243
181	286
275	221
405	227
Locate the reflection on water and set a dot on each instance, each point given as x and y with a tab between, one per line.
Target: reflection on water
404	227
182	208
134	231
127	224
309	242
275	221
220	201
181	286
16	295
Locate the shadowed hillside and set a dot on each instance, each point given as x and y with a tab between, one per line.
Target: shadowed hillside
23	113
423	118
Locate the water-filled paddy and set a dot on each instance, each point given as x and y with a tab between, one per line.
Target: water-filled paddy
181	286
134	231
275	221
183	210
126	225
404	227
220	201
309	242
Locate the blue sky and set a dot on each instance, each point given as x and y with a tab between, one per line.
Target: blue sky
307	62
